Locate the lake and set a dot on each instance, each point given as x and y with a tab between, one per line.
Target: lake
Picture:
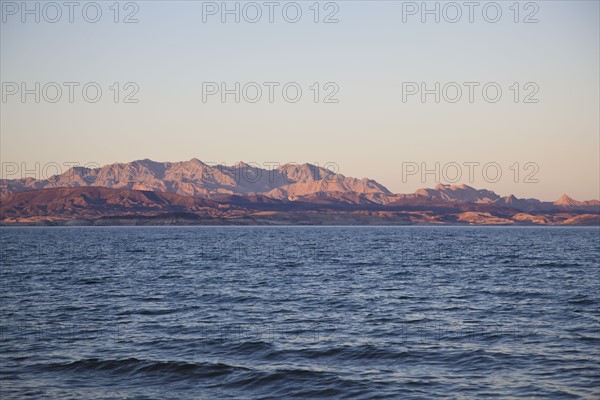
313	312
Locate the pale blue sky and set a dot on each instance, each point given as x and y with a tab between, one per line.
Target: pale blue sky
369	54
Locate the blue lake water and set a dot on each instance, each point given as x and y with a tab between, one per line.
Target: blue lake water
284	312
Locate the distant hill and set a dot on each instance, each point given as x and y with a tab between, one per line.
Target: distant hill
99	205
197	179
221	192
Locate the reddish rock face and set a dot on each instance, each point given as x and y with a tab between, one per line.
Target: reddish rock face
123	206
147	187
197	179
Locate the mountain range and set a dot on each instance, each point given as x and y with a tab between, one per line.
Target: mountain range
146	191
197	179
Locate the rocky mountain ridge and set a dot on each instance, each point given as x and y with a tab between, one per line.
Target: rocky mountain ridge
288	182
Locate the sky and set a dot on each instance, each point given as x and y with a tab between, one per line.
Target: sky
370	70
